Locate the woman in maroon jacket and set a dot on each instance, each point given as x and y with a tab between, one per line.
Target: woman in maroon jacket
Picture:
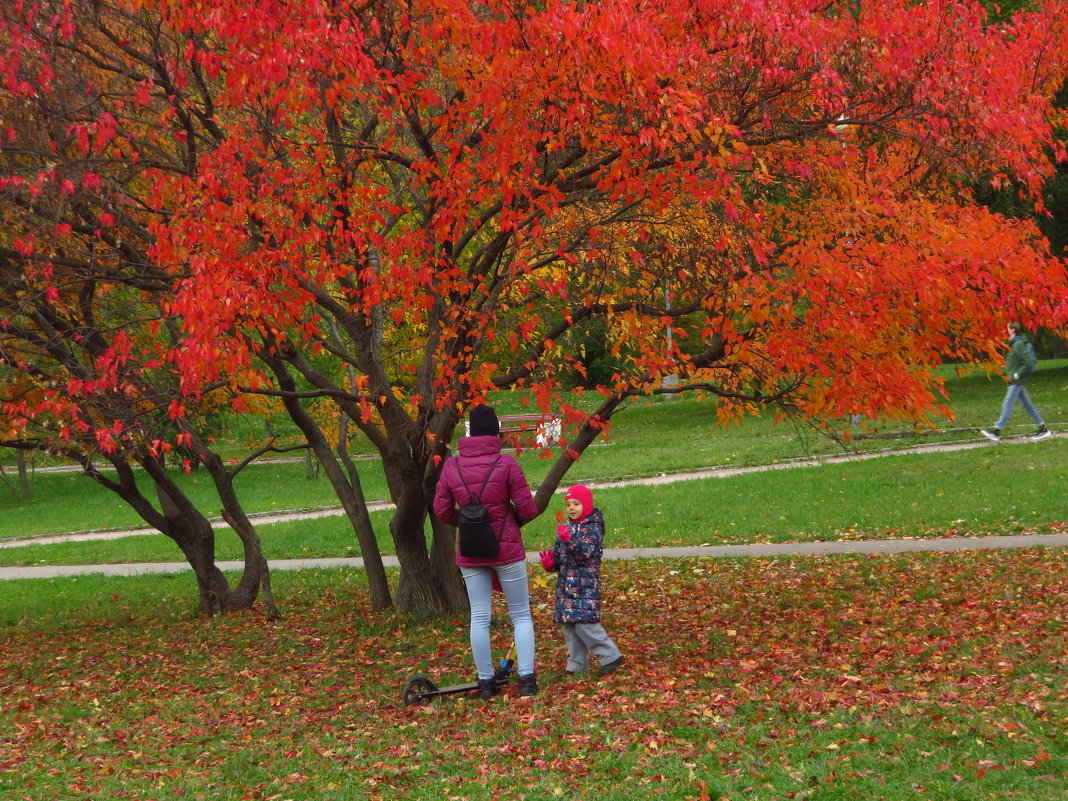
510	504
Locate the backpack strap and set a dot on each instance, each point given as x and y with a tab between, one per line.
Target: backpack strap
463	481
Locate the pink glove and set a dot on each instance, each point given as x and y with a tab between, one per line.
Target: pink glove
546	559
563	533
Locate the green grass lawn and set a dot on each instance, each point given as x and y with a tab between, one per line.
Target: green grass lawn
993	489
917	676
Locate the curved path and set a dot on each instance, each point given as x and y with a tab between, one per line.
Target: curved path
940	544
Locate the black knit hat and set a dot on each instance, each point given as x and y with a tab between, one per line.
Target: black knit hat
484	422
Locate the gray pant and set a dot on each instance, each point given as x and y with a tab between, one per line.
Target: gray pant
581	640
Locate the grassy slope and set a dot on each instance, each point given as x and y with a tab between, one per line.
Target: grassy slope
992	489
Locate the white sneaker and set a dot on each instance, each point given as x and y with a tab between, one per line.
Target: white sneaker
991	434
1041	434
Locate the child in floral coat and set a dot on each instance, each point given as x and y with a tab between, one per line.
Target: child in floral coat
576	559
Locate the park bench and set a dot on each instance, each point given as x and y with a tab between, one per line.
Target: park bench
544	429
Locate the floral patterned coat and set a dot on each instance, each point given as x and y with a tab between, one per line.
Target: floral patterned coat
577	564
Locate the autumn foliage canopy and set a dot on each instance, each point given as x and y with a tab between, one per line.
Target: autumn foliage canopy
785	184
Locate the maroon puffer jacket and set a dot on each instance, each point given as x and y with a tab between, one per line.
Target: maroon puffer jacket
507	495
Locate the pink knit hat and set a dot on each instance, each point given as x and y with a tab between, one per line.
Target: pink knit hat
583	495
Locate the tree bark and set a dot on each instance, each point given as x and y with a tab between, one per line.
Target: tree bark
443	564
194	535
348	489
256	572
25	486
424	584
378	584
196	538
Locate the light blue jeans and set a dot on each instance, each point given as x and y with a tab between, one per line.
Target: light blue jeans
513	578
1016	392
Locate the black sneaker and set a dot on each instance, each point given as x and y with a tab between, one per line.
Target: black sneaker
1041	434
991	433
613	666
528	684
487	688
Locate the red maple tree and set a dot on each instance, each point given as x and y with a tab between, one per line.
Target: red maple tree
86	354
435	194
400	207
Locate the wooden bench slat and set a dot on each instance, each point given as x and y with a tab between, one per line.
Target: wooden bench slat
545	426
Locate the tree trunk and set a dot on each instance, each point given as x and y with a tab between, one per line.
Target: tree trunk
195	536
419	589
429	581
348	490
443	563
350	493
256	572
178	519
25	486
378	585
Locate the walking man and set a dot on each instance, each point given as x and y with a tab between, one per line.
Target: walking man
1019	363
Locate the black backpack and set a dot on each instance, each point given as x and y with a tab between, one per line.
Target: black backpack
476	532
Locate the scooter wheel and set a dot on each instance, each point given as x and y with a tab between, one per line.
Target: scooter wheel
418	689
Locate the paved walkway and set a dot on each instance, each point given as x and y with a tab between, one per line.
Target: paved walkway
941	544
881	546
